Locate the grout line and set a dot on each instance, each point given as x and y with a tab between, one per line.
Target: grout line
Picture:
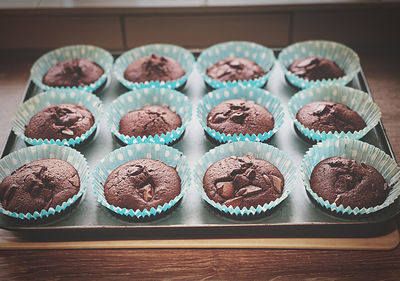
123	31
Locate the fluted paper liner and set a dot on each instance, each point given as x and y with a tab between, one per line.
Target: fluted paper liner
361	152
13	161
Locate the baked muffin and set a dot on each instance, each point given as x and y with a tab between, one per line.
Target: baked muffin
39	185
60	121
316	68
149	120
154	68
239	116
234	69
142	184
73	73
243	182
344	181
330	116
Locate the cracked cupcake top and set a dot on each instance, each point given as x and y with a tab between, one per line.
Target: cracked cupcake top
154	68
234	69
240	116
60	121
316	68
330	117
39	185
142	184
344	181
243	182
149	120
73	72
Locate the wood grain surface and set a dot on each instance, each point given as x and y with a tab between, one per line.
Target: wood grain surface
382	73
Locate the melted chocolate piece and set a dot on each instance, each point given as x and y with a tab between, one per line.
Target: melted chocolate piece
154	68
234	69
344	181
316	68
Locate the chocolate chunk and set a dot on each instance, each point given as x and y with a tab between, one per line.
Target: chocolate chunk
277	183
238	117
148	192
234	202
267	180
240	180
225	189
219	118
68	132
250	173
75	181
248	190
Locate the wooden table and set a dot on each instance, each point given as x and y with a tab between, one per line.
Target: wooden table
382	71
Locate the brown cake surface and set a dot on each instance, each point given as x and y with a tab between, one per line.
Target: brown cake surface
234	69
344	181
73	72
39	185
316	68
60	121
149	120
239	116
142	184
330	117
154	68
243	181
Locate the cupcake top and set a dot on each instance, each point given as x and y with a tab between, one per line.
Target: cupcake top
316	68
39	185
330	116
243	182
344	181
154	68
149	120
239	116
142	184
60	121
73	73
234	69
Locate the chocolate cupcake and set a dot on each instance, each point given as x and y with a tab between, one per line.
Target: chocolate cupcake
236	63
330	116
39	185
316	68
235	69
149	120
73	73
154	68
318	63
243	182
142	184
345	182
82	67
60	121
240	116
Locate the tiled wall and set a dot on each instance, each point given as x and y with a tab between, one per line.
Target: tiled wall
366	27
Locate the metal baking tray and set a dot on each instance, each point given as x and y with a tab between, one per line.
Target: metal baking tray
297	216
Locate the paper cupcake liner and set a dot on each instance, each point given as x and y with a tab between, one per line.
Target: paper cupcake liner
45	99
343	56
258	150
183	56
13	161
96	54
361	152
136	99
259	96
263	56
356	100
111	161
